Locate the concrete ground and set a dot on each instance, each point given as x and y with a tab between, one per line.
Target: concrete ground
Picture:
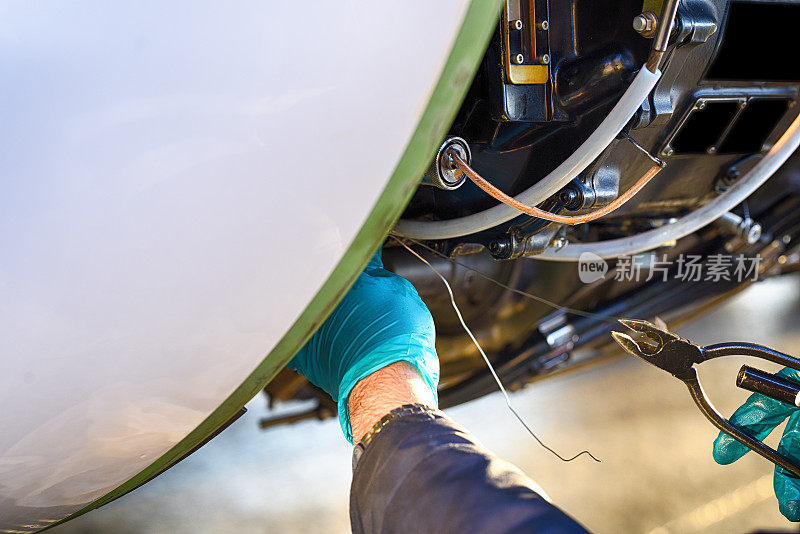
656	475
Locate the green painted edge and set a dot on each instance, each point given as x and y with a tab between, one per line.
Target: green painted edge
462	64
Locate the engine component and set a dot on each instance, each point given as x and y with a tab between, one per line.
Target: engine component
657	237
727	125
567	219
443	172
582	83
746	228
558	178
526	49
645	24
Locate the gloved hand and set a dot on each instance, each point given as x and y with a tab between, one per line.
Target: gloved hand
758	417
380	321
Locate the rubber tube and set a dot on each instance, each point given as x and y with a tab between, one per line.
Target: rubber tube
694	221
550	184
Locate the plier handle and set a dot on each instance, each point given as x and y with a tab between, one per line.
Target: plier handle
678	357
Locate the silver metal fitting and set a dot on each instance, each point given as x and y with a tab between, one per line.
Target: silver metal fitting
747	229
443	172
646	24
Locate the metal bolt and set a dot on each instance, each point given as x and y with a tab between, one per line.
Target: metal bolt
645	24
518	24
711	150
545	59
520	58
668	151
544	25
701	105
747	229
754	234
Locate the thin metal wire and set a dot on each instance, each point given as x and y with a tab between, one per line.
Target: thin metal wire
611	319
655	160
488	363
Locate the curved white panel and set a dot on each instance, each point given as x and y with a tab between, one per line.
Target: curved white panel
178	180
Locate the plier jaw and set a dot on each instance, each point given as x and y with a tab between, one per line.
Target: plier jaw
678	357
660	347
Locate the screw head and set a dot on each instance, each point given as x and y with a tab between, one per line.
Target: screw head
544	25
546	59
639	23
520	58
518	24
754	234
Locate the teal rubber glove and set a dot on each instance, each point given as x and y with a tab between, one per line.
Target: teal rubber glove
758	417
380	321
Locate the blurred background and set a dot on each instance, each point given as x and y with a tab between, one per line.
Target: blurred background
656	476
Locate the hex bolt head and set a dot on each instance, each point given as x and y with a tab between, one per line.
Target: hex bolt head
645	24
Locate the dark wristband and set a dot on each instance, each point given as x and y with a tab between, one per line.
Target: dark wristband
406	409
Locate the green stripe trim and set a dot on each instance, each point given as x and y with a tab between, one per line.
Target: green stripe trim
462	64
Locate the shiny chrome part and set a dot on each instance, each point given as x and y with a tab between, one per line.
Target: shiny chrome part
559	334
668	15
746	228
645	24
443	172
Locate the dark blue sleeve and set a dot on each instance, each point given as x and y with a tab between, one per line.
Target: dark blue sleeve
424	473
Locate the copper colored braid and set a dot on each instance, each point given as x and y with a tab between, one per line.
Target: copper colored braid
536	212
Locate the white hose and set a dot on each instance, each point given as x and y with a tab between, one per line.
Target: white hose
550	184
651	239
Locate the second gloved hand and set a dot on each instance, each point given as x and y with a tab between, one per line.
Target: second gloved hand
758	417
380	321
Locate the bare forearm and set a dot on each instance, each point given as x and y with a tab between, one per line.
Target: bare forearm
383	391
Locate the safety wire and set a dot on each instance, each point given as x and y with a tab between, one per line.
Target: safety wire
488	363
